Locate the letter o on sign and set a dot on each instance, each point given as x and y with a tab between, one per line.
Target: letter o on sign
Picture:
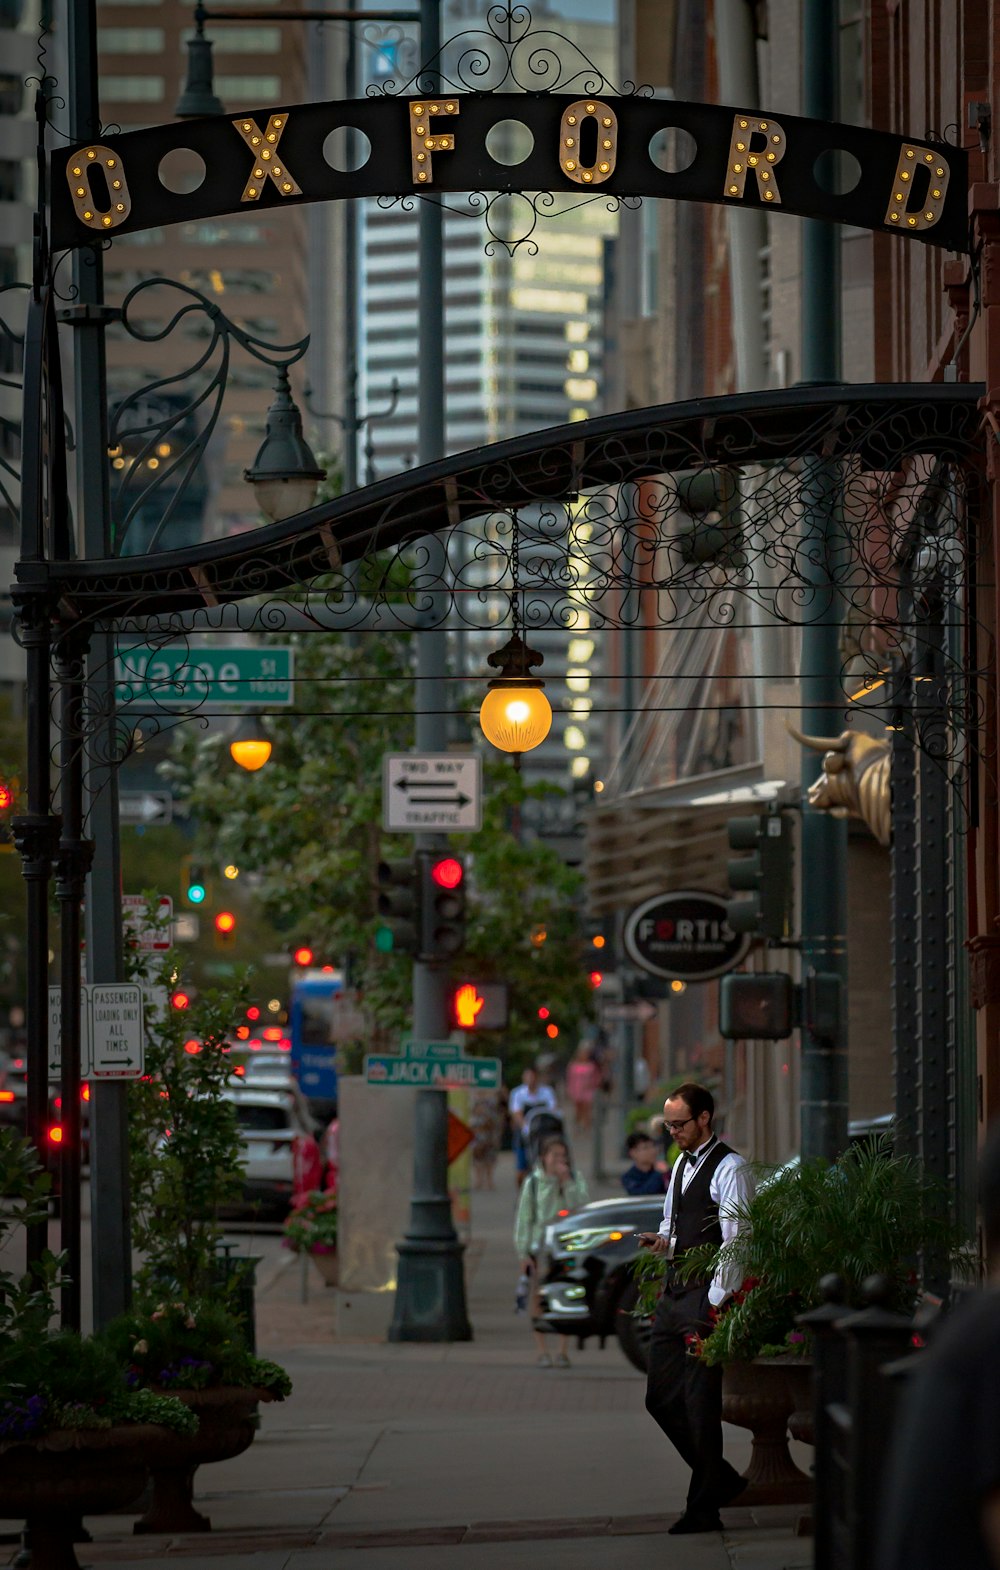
577	141
98	211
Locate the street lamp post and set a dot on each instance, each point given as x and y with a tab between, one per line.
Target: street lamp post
430	1294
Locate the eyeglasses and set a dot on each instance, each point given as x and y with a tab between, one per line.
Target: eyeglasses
681	1123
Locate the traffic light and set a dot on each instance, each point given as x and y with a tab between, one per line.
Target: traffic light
712	530
479	1005
303	956
397	906
225	929
767	874
442	905
8	800
756	1008
196	889
598	946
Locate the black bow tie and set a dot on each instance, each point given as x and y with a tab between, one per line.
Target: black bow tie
690	1158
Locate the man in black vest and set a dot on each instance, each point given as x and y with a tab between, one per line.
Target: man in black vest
708	1182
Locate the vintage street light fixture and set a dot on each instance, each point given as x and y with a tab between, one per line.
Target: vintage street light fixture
199	96
285	473
248	745
515	714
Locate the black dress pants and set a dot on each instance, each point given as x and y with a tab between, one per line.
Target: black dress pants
685	1397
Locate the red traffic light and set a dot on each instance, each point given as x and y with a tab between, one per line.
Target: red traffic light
180	1000
596	978
6	797
225	921
447	874
543	1013
253	1012
303	956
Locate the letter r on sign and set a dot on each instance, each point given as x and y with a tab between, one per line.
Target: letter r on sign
757	146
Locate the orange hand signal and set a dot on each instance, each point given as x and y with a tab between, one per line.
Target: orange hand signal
467	1005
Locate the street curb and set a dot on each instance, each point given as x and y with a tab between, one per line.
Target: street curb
444	1536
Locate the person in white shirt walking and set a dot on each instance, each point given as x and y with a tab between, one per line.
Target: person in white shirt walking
529	1096
708	1184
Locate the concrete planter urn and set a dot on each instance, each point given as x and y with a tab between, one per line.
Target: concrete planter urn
761	1395
327	1263
51	1482
227	1423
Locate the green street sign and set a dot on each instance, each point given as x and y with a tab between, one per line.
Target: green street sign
434	1073
179	676
442	1050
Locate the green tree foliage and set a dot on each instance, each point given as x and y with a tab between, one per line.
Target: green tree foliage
185	1155
308	826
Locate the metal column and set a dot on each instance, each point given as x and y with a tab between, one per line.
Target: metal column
430	1295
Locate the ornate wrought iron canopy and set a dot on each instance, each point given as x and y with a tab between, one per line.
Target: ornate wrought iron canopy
590	532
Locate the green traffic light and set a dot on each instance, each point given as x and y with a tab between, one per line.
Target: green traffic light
384	941
196	893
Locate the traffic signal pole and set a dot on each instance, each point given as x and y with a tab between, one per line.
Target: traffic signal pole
822	554
430	1290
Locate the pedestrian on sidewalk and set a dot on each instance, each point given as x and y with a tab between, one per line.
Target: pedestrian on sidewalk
941	1502
486	1123
582	1080
551	1188
530	1096
645	1175
709	1184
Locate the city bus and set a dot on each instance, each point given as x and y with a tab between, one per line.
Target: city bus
310	1026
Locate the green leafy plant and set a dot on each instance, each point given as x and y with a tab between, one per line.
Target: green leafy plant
311	1224
185	1153
176	1345
870	1213
54	1379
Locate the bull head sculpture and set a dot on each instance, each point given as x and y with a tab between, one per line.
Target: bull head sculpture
855	779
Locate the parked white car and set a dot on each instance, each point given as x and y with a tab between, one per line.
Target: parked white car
279	1143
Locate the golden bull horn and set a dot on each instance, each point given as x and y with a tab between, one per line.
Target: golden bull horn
817	743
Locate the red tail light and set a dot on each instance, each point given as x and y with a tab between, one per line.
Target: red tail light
6	1095
84	1092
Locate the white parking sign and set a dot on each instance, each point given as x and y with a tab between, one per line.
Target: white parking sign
117	1041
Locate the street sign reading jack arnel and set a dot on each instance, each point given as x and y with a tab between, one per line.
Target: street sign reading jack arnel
275	156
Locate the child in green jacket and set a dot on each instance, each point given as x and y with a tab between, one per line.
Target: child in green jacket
550	1188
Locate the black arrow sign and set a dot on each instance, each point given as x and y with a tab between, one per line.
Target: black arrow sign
444	799
440	801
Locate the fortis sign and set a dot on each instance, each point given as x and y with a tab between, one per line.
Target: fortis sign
273	157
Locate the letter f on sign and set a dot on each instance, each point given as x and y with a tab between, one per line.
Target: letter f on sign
424	141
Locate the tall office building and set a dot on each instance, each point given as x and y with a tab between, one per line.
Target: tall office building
253	265
524	347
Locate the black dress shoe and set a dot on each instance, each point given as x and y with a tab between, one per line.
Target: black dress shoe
695	1523
730	1495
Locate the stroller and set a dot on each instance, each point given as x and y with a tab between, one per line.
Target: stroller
540	1124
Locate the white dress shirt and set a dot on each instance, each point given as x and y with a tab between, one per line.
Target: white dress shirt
732	1185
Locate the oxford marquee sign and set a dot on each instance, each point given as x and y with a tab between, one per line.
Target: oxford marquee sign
275	157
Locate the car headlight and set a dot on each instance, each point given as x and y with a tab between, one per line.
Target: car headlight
588	1239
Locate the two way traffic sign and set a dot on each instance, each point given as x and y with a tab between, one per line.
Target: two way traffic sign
423	791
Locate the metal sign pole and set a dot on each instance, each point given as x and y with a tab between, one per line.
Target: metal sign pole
430	1295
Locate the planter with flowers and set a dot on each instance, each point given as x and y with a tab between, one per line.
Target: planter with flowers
869	1213
75	1437
184	1335
196	1353
311	1228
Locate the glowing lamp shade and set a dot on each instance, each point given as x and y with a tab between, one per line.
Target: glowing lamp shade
250	755
515	718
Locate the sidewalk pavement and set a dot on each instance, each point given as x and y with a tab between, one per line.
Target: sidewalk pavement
452	1457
